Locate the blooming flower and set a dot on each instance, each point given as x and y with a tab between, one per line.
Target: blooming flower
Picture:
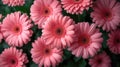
16	29
41	10
59	31
44	55
106	14
14	2
88	40
100	60
76	6
12	57
114	41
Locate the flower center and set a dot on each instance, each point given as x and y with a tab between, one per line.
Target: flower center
13	61
78	1
47	51
117	41
84	40
46	11
99	61
107	15
59	31
17	30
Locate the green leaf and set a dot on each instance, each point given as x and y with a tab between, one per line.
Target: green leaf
5	45
71	64
76	59
105	37
82	63
7	10
33	65
67	54
1	48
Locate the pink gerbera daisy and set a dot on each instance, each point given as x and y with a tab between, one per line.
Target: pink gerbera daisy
1	35
16	29
44	55
14	2
114	41
59	31
106	14
100	60
13	57
41	10
76	6
88	40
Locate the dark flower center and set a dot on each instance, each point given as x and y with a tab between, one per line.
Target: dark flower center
17	29
47	51
84	39
46	11
117	40
13	61
59	31
78	1
99	61
107	15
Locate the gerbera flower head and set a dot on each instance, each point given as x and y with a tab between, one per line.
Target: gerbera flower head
100	60
16	29
76	6
88	40
114	41
106	14
14	2
41	10
44	55
59	31
12	57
